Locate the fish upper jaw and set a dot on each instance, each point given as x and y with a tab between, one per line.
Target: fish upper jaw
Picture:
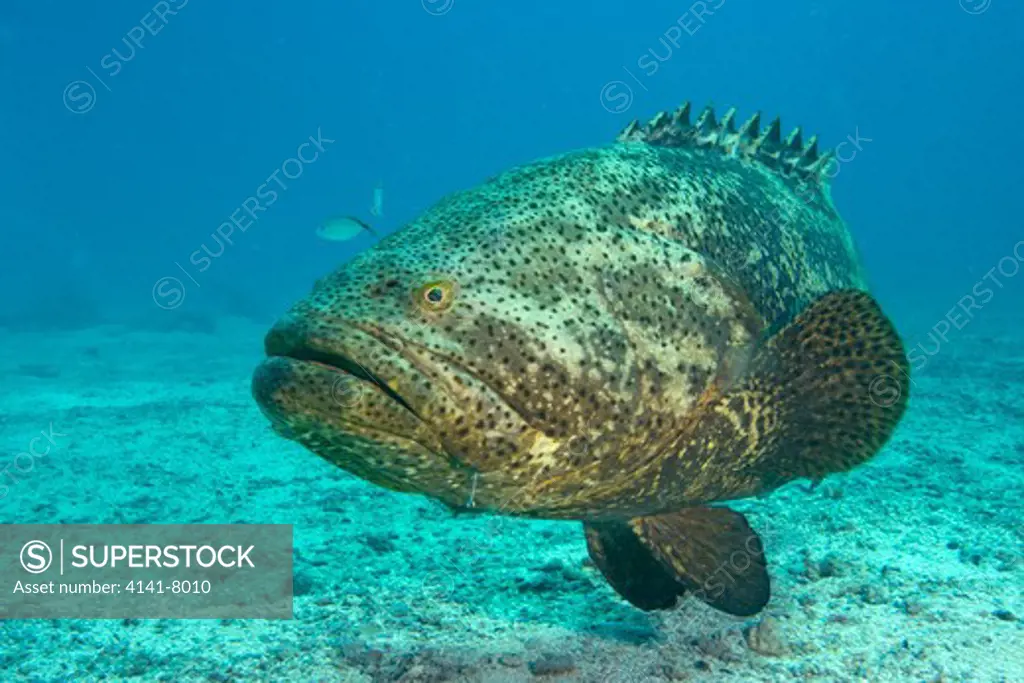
290	339
336	378
356	402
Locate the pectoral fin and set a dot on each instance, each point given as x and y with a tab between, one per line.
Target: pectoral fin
827	391
709	552
821	395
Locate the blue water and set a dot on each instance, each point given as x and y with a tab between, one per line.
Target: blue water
130	138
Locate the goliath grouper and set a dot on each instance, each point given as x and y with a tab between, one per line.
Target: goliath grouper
621	335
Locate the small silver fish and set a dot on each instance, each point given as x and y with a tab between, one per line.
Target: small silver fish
377	207
343	229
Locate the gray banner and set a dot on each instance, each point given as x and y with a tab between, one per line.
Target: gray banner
145	571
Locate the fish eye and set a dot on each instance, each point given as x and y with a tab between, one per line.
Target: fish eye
436	296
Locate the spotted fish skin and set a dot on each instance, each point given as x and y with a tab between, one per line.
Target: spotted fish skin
544	344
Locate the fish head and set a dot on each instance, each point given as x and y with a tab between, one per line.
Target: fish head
514	333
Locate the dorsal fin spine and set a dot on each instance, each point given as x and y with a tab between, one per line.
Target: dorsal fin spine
750	129
682	115
728	124
630	131
810	152
794	140
818	167
706	120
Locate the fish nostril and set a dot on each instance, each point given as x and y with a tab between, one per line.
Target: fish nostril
391	283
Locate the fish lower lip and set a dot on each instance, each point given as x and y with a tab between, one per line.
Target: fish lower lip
345	364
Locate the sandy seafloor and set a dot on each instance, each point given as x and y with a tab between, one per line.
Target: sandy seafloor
907	569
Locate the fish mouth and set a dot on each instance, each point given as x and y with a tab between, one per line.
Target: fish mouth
319	386
339	362
305	359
